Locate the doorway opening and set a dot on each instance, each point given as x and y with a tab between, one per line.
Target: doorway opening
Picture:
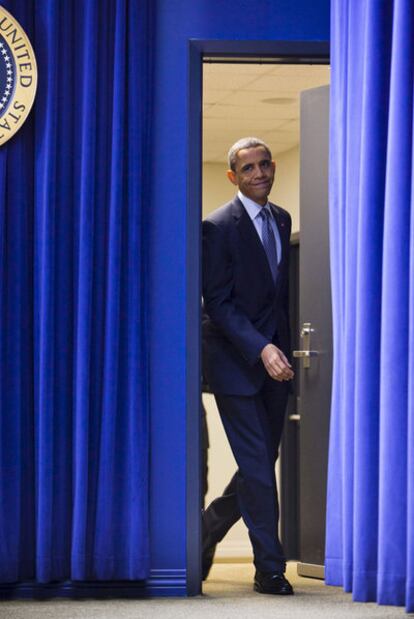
250	94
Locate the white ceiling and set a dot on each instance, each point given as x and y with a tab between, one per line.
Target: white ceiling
234	104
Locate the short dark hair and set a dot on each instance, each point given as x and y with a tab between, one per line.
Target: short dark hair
245	143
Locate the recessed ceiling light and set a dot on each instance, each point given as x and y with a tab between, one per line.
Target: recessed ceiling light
279	100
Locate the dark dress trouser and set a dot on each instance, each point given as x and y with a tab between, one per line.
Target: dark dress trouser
253	425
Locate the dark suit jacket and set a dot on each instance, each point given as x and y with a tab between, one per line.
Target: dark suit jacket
243	310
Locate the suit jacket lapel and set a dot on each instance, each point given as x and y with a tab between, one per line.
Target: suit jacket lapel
251	239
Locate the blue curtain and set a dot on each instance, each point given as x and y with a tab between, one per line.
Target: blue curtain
370	519
73	387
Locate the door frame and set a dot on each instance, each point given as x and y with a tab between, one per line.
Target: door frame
272	52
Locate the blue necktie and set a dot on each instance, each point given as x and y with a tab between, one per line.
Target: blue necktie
269	241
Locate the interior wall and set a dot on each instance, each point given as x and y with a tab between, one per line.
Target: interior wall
217	190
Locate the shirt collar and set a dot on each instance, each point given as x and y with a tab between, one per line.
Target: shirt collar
252	208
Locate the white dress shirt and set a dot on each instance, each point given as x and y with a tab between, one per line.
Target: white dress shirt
253	210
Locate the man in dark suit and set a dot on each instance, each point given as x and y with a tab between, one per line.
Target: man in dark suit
245	354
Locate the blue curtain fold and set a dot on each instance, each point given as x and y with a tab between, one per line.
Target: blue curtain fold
370	517
73	368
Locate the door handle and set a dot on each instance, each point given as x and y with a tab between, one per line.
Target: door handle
306	353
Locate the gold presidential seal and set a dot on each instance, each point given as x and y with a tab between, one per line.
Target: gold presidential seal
18	76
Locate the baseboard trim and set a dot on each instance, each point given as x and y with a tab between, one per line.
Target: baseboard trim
161	583
311	570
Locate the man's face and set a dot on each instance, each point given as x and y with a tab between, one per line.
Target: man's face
254	173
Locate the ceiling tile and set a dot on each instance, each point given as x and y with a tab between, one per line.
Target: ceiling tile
235	104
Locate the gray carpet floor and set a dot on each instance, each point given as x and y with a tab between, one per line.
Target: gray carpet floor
227	594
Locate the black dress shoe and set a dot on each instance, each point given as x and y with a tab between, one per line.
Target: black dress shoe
207	560
276	584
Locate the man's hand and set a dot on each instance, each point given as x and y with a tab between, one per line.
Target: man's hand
276	364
